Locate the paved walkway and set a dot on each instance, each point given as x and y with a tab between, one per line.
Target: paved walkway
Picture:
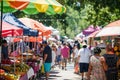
59	74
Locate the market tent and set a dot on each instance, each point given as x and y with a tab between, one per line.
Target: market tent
16	39
80	35
34	6
92	35
90	30
10	30
29	39
112	29
115	23
11	19
109	31
33	24
33	39
53	31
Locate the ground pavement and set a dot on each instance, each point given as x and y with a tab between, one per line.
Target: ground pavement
59	74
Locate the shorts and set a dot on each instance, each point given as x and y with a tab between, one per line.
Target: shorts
58	58
64	60
83	67
47	67
75	60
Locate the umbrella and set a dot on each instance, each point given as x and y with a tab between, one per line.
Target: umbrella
34	6
109	31
10	30
33	24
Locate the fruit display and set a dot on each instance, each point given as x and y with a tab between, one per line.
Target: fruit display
8	76
21	69
1	72
17	69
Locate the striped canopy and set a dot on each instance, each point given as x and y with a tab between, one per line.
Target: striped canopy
35	25
34	6
11	30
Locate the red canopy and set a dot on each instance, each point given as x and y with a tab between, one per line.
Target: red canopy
29	39
10	30
36	25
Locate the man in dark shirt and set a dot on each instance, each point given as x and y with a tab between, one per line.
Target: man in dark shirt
4	50
47	58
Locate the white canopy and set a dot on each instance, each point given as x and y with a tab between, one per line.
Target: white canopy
109	31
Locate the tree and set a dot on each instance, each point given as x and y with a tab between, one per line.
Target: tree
79	15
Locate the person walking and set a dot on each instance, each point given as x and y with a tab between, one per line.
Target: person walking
47	58
75	55
58	56
53	55
65	51
96	70
112	63
84	58
71	51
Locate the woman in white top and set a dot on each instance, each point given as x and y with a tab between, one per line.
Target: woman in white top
75	56
53	55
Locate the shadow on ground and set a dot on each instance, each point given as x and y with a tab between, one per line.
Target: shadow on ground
53	75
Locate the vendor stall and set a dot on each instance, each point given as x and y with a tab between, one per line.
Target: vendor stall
28	69
117	46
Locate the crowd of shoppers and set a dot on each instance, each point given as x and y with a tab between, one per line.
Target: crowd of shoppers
90	65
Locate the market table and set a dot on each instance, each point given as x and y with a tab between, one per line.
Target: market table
28	75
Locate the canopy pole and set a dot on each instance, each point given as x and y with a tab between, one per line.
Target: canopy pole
27	48
14	57
1	29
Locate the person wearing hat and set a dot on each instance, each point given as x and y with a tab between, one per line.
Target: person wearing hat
47	58
83	59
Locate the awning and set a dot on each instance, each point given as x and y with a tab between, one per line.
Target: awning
11	19
112	29
10	30
33	24
29	39
34	6
109	31
115	23
92	35
90	30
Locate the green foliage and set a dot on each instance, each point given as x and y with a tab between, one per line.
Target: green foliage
79	17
